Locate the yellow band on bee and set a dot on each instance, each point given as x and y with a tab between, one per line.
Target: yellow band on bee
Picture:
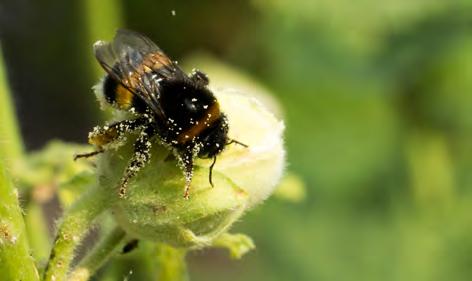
124	98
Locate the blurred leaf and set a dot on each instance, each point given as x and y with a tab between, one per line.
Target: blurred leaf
291	188
42	172
237	244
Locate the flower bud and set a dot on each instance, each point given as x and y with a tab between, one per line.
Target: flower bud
154	207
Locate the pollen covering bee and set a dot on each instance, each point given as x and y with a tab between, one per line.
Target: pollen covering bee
167	106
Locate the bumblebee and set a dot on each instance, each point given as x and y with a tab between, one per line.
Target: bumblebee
167	106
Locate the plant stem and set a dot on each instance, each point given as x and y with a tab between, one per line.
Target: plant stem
36	228
15	260
75	224
172	266
102	251
11	146
432	174
102	19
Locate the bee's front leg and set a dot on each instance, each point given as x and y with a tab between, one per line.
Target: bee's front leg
141	156
89	154
101	136
185	158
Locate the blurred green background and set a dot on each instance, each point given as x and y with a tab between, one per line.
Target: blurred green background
377	97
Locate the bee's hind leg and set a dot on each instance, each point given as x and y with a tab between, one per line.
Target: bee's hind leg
141	156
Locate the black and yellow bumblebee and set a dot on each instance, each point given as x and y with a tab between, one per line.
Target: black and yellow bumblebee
167	105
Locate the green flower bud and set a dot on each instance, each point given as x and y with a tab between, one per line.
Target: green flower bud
154	207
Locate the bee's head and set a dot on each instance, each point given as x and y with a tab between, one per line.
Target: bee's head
214	139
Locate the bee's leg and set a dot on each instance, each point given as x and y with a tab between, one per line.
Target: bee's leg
103	135
188	178
89	154
236	142
141	156
210	174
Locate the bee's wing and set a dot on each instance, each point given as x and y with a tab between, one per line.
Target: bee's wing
137	63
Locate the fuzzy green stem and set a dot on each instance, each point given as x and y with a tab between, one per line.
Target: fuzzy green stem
75	224
11	149
102	251
36	229
172	265
15	260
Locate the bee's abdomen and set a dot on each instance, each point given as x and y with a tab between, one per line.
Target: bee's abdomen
190	109
196	127
120	97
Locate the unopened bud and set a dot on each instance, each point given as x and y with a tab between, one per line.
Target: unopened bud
154	207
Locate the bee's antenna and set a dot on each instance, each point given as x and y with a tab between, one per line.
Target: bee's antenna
210	175
236	142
